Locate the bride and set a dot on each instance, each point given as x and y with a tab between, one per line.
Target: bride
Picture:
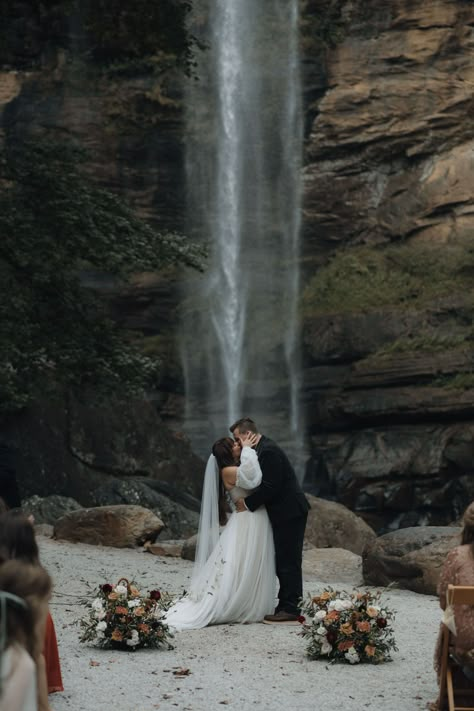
233	577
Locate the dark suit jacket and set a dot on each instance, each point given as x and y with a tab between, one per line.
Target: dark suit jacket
279	491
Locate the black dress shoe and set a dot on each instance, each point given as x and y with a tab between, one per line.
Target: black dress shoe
281	618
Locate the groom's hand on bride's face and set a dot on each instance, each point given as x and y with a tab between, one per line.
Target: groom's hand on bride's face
249	439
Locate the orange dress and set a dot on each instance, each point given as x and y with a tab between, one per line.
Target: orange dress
53	667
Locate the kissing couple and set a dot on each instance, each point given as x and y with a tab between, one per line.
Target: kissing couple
235	571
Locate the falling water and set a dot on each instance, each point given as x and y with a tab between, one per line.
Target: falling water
240	330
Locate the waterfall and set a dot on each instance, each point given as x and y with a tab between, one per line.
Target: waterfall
239	328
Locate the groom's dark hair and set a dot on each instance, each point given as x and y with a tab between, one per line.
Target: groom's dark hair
245	424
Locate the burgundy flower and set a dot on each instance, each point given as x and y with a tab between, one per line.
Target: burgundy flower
155	595
106	589
381	622
331	636
302	619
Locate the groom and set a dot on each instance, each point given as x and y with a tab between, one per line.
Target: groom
287	509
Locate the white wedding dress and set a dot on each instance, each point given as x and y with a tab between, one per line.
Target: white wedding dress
237	582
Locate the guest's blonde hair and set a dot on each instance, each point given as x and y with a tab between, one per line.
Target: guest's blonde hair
32	584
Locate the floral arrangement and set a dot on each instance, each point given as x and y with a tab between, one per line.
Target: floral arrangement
344	627
120	617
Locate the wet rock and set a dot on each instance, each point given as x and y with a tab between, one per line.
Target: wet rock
410	557
48	509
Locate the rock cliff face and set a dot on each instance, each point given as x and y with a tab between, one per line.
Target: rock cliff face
389	384
388	244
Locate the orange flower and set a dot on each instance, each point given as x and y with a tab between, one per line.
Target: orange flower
369	650
113	596
372	611
347	628
363	626
139	611
117	636
134	592
344	646
333	615
326	596
120	610
143	628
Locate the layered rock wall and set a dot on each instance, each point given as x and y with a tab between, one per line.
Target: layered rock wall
389	385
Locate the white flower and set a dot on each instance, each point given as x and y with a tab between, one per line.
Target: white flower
321	631
97	604
134	603
100	615
134	639
383	614
101	626
121	590
326	647
338	605
320	615
346	604
352	656
157	613
100	635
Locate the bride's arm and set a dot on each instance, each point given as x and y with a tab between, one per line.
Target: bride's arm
249	474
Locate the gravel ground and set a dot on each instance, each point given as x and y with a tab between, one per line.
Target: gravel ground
241	666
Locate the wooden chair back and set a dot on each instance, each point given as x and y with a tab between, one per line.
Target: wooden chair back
455	595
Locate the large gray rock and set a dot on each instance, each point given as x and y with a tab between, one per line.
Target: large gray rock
180	522
410	557
117	526
66	448
49	509
398	475
332	525
189	548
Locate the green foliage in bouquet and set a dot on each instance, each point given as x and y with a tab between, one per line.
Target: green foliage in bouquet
352	628
120	617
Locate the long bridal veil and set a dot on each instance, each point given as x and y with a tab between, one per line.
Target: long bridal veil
208	531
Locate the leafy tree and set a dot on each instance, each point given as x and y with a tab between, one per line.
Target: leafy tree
54	332
100	31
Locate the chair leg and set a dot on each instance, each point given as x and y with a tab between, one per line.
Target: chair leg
450	689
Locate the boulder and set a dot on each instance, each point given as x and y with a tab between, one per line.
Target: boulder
410	557
189	548
332	525
171	549
179	521
332	565
117	526
44	529
49	509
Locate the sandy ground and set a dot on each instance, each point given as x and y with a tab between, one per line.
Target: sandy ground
240	666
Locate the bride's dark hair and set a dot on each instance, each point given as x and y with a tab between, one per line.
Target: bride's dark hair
222	450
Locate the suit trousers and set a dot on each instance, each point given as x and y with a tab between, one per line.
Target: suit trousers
288	537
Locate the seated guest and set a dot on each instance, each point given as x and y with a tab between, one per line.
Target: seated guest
17	541
24	593
458	569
